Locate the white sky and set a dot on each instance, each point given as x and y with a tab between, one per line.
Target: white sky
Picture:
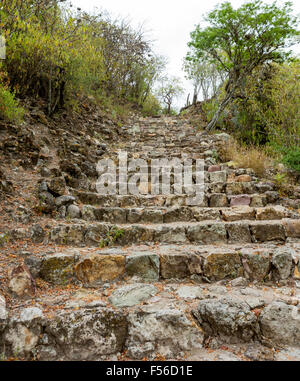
168	22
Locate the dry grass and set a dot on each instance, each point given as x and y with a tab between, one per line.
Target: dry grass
247	157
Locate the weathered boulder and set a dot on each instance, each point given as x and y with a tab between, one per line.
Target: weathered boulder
243	199
283	263
68	234
228	319
73	211
37	233
170	234
86	334
3	314
280	323
271	213
21	283
218	200
161	330
292	228
57	186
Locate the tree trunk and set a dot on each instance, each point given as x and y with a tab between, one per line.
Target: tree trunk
212	124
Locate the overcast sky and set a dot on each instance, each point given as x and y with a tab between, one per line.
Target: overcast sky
168	22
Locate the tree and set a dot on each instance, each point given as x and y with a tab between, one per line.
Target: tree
170	89
205	77
239	40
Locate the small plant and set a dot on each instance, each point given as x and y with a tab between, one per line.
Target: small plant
9	108
3	239
283	182
215	155
111	236
292	159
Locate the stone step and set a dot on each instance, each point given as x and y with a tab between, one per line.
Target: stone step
142	321
208	232
211	199
117	215
200	263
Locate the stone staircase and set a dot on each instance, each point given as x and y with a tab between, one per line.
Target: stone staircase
156	278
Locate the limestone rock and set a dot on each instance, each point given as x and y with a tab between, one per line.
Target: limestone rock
3	313
243	179
21	283
162	330
73	211
218	200
271	213
238	213
86	334
179	265
37	234
240	200
292	228
96	268
58	268
238	232
267	231
256	266
228	319
143	265
207	233
282	260
57	186
132	294
280	323
222	266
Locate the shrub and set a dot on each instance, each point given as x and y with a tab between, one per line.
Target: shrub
246	157
9	107
291	158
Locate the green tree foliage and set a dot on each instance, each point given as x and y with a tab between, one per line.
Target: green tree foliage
239	40
10	110
268	109
57	53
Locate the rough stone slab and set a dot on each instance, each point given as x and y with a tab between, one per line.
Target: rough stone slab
238	232
207	233
267	231
161	330
292	228
97	268
228	319
130	295
179	265
238	213
222	266
256	265
143	265
280	323
58	268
